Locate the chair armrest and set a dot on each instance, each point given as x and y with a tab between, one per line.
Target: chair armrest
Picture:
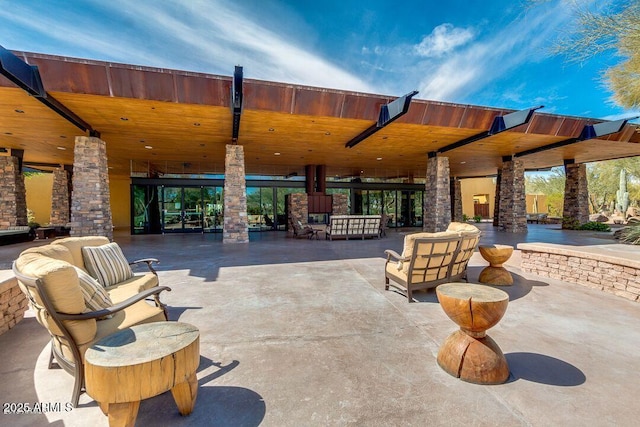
393	254
148	261
115	308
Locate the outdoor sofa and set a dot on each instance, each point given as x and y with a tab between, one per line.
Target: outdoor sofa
430	259
353	226
82	289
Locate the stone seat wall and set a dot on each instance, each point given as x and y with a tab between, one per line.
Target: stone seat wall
611	268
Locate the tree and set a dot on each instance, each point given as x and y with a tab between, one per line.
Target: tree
551	185
614	28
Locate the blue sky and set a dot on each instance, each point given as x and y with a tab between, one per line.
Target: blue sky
483	52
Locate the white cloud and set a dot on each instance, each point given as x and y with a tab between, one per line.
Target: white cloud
202	36
467	70
624	115
442	40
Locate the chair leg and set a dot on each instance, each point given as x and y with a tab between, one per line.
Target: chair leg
51	356
386	283
78	384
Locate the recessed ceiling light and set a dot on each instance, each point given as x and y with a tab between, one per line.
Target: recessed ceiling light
271	129
276	154
462	163
61	148
148	147
196	124
17	110
124	119
62	136
385	137
201	145
8	133
379	158
327	133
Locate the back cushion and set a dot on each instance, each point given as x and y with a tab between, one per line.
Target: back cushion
462	227
52	251
107	264
75	244
59	279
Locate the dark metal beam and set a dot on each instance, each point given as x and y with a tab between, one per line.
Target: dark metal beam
236	101
500	124
588	132
388	113
27	77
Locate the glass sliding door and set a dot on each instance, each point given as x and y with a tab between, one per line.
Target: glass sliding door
213	208
391	207
182	209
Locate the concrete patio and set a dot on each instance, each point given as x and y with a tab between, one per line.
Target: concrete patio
302	332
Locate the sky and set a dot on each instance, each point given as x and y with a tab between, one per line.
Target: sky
492	53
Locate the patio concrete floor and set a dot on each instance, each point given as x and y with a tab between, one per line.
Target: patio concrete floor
302	333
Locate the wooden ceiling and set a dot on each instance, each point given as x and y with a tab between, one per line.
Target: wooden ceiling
170	121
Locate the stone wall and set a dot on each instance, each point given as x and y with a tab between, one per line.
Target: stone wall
60	198
13	199
340	204
576	192
496	203
437	206
618	276
90	200
456	200
298	207
236	224
13	302
513	207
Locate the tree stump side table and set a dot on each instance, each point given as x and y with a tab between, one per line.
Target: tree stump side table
495	273
141	362
469	353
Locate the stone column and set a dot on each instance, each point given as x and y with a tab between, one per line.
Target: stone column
576	192
513	216
496	202
60	198
339	204
456	199
13	196
90	198
437	206
236	225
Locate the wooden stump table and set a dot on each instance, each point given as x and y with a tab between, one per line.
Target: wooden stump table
141	362
469	353
495	273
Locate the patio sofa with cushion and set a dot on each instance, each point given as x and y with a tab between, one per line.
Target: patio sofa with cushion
353	226
430	259
83	289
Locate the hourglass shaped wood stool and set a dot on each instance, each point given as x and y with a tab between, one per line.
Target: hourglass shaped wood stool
469	353
495	273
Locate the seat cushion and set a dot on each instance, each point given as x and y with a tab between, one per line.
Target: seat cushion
463	227
106	264
132	286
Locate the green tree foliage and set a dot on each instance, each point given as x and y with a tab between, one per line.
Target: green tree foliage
607	26
604	180
550	184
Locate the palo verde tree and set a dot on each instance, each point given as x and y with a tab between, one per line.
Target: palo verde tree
606	26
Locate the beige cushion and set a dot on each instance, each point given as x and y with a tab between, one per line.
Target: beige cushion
132	286
409	243
463	227
52	251
95	295
75	244
106	264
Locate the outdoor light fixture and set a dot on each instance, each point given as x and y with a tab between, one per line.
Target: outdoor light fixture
388	113
500	124
588	132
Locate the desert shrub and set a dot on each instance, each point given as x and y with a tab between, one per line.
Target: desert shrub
595	226
630	234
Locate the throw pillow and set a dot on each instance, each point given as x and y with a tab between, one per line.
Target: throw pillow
106	264
95	296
